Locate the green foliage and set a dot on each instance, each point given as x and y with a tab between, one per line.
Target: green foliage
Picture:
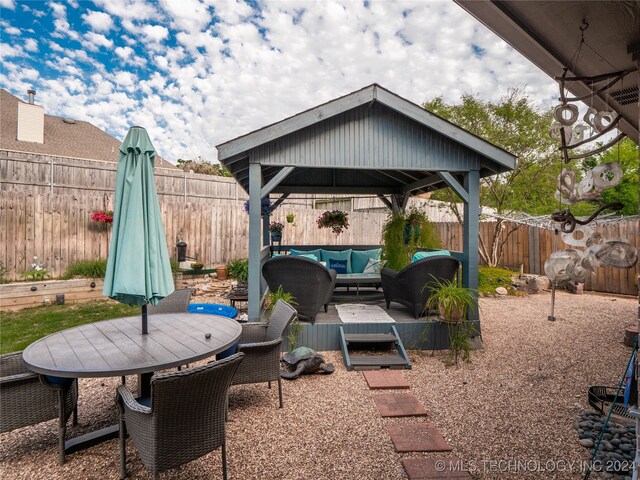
196	265
294	329
460	342
35	275
626	192
516	125
239	269
490	278
4	271
175	265
397	251
280	294
86	268
204	167
21	328
452	300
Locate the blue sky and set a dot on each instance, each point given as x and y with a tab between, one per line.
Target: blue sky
196	73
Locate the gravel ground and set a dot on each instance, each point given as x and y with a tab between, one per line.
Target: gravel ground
516	401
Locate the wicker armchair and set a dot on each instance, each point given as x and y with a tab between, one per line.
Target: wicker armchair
310	283
27	398
175	302
412	285
185	419
260	342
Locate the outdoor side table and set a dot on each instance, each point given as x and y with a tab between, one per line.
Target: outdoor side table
117	347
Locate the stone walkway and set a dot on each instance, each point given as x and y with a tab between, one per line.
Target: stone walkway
417	436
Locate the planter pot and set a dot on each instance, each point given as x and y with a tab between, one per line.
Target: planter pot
276	236
222	273
197	268
456	316
291	218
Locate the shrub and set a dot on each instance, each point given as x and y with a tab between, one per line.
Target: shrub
239	269
86	268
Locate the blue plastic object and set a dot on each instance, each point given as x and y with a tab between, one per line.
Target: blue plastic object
213	309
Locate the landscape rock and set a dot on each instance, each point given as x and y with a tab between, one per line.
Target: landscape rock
501	291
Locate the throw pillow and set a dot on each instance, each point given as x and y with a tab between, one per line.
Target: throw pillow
340	266
359	259
337	255
308	255
374	266
436	253
317	252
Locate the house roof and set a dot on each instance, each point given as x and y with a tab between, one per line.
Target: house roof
76	139
549	34
369	141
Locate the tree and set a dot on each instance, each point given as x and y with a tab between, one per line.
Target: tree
204	167
516	125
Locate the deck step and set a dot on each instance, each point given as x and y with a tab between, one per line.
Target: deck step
361	362
370	338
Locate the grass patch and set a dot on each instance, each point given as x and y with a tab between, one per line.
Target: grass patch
86	268
21	328
491	278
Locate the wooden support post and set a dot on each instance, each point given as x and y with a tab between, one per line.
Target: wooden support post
470	239
255	183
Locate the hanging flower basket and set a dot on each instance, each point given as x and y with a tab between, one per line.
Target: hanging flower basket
102	216
275	228
265	207
336	220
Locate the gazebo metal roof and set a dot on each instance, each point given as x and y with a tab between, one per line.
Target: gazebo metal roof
369	141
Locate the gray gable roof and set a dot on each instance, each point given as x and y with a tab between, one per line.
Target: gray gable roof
77	140
387	142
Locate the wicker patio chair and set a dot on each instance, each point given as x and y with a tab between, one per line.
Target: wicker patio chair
412	285
310	283
185	418
27	398
176	302
260	342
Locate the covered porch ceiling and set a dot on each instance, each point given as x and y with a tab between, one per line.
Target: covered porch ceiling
370	141
548	33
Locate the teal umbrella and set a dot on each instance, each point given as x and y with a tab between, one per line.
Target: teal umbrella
138	268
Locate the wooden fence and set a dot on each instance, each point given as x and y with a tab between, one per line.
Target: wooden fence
57	229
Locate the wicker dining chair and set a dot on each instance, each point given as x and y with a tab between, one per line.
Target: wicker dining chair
27	398
185	418
175	302
261	343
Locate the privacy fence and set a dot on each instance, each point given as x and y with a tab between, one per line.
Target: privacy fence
58	230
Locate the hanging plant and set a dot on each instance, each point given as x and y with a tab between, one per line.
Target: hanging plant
336	220
265	207
102	216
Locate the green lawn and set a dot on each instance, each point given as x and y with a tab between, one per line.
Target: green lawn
19	329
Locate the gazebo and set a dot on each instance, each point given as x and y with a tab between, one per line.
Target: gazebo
370	141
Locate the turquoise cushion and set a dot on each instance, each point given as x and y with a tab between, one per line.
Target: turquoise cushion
359	258
435	253
339	255
296	253
340	266
309	255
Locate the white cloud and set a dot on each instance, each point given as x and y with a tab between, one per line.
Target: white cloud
99	21
10	4
155	33
11	30
31	45
189	15
125	79
95	41
62	27
124	52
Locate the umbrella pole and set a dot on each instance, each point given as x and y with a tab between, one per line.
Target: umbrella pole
144	320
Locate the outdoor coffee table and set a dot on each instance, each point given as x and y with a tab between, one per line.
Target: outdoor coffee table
113	348
357	279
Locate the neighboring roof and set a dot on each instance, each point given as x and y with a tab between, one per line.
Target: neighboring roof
77	140
548	33
369	141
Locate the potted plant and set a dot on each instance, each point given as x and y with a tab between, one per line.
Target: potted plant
197	266
294	327
403	234
453	301
221	272
275	229
239	269
336	220
102	216
291	218
265	207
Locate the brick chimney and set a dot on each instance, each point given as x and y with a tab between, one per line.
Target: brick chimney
30	121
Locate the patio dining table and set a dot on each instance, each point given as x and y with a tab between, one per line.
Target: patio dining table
117	347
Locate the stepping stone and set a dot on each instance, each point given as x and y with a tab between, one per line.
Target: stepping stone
385	379
417	437
399	405
435	469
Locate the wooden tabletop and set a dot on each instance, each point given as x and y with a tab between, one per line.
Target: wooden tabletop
117	347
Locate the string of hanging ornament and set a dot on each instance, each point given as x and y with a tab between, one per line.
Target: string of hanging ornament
590	249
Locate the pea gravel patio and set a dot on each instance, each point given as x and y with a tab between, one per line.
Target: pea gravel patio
516	401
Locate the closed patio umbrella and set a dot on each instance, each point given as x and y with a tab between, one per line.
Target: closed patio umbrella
138	268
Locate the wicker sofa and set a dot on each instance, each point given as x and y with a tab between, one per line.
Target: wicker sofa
412	285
